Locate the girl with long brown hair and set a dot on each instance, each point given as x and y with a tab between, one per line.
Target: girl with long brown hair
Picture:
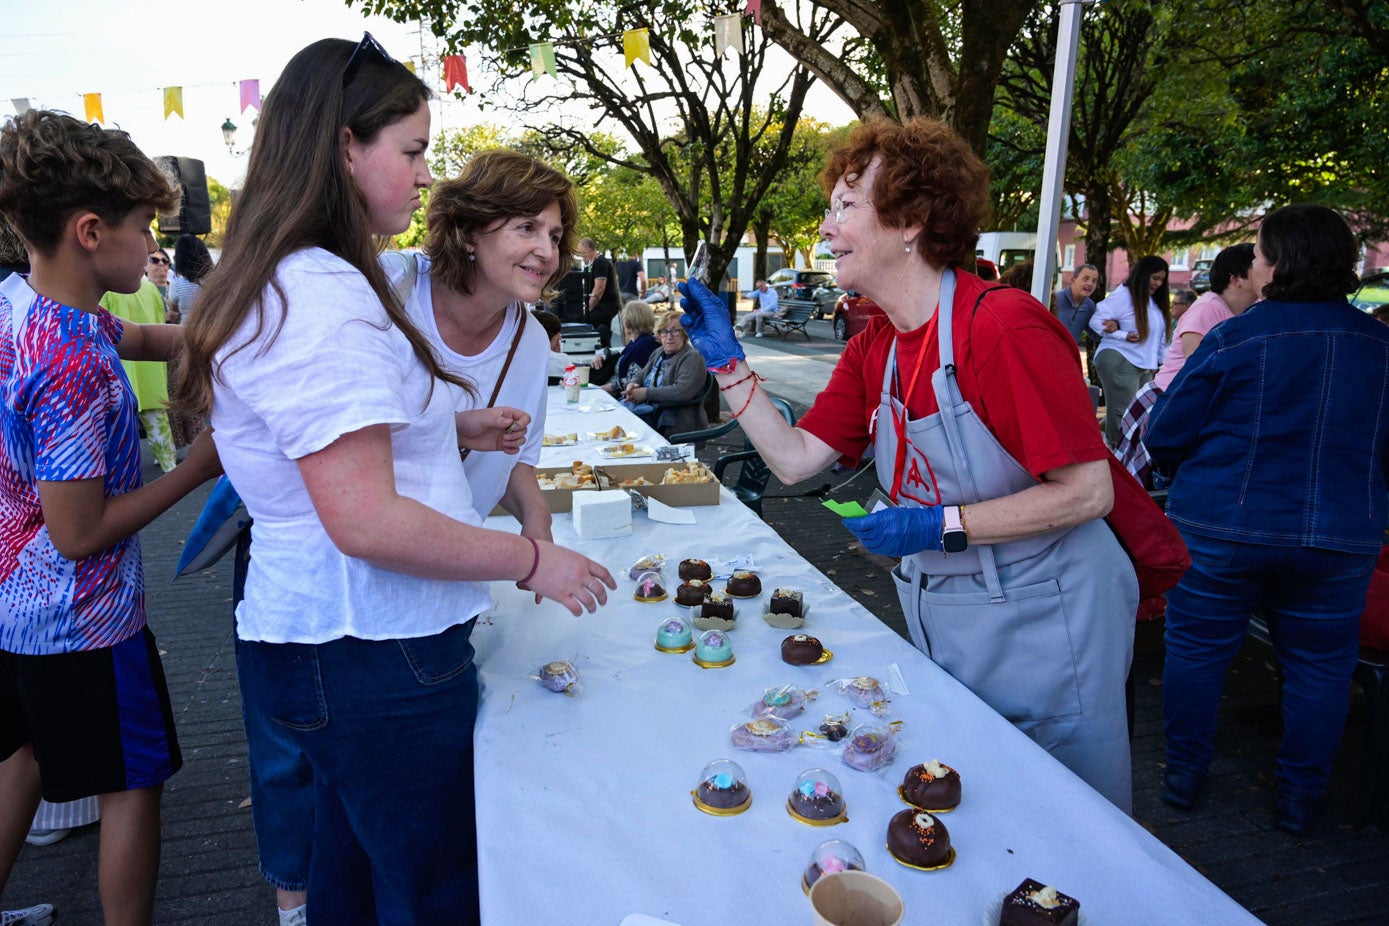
369	560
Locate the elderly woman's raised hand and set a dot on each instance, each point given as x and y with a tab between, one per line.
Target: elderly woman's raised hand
710	329
899	531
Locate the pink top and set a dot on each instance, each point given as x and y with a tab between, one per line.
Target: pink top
1205	313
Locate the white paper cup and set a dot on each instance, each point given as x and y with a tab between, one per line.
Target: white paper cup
855	898
583	374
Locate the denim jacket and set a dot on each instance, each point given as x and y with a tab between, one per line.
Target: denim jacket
1278	429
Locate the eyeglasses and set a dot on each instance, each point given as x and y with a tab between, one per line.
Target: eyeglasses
159	260
367	47
837	209
670	332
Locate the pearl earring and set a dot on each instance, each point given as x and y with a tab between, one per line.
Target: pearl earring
472	256
908	249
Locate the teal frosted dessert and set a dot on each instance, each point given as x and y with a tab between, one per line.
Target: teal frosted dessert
714	648
674	636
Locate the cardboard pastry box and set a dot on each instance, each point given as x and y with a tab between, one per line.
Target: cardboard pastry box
612	475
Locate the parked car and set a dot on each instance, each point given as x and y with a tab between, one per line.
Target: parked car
807	285
852	314
1201	275
1373	291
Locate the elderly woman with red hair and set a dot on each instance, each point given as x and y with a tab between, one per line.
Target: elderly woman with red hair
985	440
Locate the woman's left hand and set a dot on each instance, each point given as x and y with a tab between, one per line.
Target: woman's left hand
899	531
502	428
636	393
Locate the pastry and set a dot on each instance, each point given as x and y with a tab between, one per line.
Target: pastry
1035	904
649	588
558	676
932	786
801	650
717	605
917	838
784	702
695	569
831	857
834	729
723	791
648	563
744	584
787	601
816	796
765	734
863	691
870	746
674	636
713	648
692	592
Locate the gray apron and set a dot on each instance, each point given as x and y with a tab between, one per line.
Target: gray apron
1041	629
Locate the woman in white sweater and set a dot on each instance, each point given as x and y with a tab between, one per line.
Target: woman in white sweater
1132	325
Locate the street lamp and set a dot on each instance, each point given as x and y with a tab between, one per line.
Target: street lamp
229	137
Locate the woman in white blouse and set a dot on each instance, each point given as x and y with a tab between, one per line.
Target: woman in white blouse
1132	324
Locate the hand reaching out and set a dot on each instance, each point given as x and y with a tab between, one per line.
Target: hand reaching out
501	428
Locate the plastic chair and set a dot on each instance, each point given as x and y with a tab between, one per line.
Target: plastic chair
753	472
711	387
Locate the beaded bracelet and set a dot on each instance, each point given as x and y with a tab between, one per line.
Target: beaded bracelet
752	374
535	564
751	393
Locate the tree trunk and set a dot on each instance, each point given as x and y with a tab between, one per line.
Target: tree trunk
1097	228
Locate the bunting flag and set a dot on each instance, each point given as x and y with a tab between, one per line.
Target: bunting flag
728	33
409	64
173	102
455	73
21	104
92	102
754	8
250	95
636	43
543	59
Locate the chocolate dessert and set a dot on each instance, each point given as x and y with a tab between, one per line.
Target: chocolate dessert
834	730
787	601
816	800
932	786
695	569
723	791
917	838
1035	904
744	584
692	592
649	588
801	650
717	605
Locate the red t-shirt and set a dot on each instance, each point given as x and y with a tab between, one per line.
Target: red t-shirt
1016	365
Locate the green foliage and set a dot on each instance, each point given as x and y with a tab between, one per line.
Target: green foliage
1015	158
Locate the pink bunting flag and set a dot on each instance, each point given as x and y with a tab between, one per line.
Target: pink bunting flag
250	95
754	8
455	73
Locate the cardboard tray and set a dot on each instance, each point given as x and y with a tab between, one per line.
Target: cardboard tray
680	496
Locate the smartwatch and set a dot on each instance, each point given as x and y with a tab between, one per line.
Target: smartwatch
953	536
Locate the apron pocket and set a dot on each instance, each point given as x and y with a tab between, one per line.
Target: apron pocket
1014	654
909	594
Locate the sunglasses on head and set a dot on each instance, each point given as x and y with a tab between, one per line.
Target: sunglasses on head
156	259
366	48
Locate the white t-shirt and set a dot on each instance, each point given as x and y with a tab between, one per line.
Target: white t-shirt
337	365
523	388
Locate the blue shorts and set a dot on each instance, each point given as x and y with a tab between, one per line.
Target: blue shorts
99	720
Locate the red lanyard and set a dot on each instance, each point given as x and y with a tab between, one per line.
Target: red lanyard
899	425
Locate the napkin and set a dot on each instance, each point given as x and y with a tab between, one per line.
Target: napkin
602	514
668	514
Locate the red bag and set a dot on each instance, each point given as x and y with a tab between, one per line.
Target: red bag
1374	623
1158	553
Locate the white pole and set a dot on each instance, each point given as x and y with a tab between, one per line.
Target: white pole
1058	134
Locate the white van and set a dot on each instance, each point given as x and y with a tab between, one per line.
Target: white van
1006	248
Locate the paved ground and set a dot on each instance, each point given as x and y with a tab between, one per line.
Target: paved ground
208	875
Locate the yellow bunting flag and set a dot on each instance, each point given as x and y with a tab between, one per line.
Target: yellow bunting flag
636	44
543	59
173	101
92	102
409	65
728	33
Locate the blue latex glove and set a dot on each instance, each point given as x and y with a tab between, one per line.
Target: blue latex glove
709	327
899	531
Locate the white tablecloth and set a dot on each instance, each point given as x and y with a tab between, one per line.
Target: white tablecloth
584	809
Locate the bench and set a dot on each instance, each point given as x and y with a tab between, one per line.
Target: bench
1372	672
798	314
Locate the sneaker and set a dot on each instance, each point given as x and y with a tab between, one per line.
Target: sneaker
1181	789
45	837
758	335
37	915
299	916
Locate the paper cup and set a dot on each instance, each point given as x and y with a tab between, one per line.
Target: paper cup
855	898
583	375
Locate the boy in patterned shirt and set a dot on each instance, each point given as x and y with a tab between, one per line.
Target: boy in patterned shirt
83	704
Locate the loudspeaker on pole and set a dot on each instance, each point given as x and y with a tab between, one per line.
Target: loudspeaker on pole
194	215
